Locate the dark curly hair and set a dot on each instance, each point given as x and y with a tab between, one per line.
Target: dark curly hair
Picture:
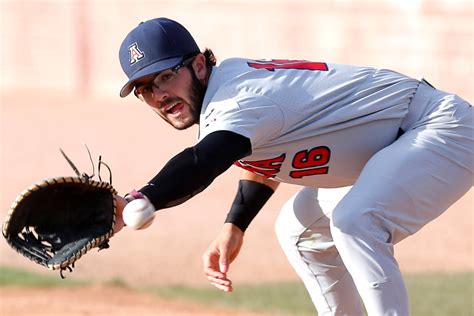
210	58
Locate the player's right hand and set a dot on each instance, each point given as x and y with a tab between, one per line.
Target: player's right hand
220	254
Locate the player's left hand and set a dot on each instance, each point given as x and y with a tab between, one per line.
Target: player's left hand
121	202
220	254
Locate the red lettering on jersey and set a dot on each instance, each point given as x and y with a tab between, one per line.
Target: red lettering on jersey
288	64
267	168
311	162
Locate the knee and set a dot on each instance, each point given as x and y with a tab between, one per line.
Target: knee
298	214
366	226
290	224
282	227
356	219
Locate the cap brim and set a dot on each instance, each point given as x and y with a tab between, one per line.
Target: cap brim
149	70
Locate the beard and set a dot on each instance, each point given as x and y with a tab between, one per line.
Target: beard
196	98
198	91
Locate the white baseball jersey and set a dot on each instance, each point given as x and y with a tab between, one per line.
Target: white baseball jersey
312	124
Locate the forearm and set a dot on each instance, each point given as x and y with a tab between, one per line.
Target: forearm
180	179
252	194
192	170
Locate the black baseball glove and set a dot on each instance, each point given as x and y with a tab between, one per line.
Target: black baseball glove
58	220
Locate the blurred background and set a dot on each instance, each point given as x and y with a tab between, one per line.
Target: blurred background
59	86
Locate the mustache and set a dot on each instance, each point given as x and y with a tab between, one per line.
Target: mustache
169	101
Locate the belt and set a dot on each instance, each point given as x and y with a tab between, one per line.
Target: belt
424	81
400	133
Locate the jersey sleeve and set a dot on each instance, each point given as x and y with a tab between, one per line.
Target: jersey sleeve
251	115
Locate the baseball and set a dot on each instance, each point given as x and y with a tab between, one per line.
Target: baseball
138	214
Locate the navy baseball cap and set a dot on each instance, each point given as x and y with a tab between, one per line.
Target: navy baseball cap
154	46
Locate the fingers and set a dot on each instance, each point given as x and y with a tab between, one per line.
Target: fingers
224	260
220	254
214	270
118	225
120	202
218	280
210	271
223	287
211	265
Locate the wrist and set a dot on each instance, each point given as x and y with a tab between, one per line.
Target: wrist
137	195
133	195
232	228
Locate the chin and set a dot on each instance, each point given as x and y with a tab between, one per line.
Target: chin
182	125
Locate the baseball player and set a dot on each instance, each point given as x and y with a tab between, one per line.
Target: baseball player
378	156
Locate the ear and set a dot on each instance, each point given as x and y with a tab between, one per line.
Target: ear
199	66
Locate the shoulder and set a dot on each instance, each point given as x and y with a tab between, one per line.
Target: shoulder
227	79
231	68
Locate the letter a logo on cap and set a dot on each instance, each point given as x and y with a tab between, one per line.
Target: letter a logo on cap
135	53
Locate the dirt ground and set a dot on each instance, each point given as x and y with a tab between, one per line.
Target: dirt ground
136	144
99	301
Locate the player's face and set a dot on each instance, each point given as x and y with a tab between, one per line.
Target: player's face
176	95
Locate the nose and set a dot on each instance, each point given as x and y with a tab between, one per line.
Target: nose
159	95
